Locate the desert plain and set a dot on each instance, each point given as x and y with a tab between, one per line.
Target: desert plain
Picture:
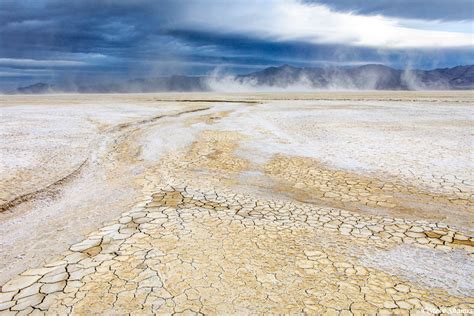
338	203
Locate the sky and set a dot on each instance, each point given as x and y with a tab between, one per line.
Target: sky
109	40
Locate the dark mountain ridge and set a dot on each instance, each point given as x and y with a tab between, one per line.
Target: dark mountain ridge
366	77
37	88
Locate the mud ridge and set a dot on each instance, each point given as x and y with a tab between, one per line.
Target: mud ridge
155	118
211	101
49	188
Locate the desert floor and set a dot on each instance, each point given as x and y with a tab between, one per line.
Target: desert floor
338	203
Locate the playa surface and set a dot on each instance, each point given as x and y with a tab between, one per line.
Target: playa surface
338	203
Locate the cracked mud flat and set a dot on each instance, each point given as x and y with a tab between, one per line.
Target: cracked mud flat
329	203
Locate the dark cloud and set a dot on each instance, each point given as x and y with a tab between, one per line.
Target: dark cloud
53	40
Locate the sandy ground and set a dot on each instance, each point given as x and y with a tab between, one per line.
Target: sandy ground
63	160
71	164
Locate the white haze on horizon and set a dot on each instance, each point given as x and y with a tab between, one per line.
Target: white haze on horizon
219	82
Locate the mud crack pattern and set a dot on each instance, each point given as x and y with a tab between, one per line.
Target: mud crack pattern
199	242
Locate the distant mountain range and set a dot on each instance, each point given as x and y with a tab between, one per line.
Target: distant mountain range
36	88
367	77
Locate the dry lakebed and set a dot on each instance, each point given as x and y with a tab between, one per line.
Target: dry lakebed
337	203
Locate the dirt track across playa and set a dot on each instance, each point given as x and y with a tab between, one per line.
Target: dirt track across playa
338	203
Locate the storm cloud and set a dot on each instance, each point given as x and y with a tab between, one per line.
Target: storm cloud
117	39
